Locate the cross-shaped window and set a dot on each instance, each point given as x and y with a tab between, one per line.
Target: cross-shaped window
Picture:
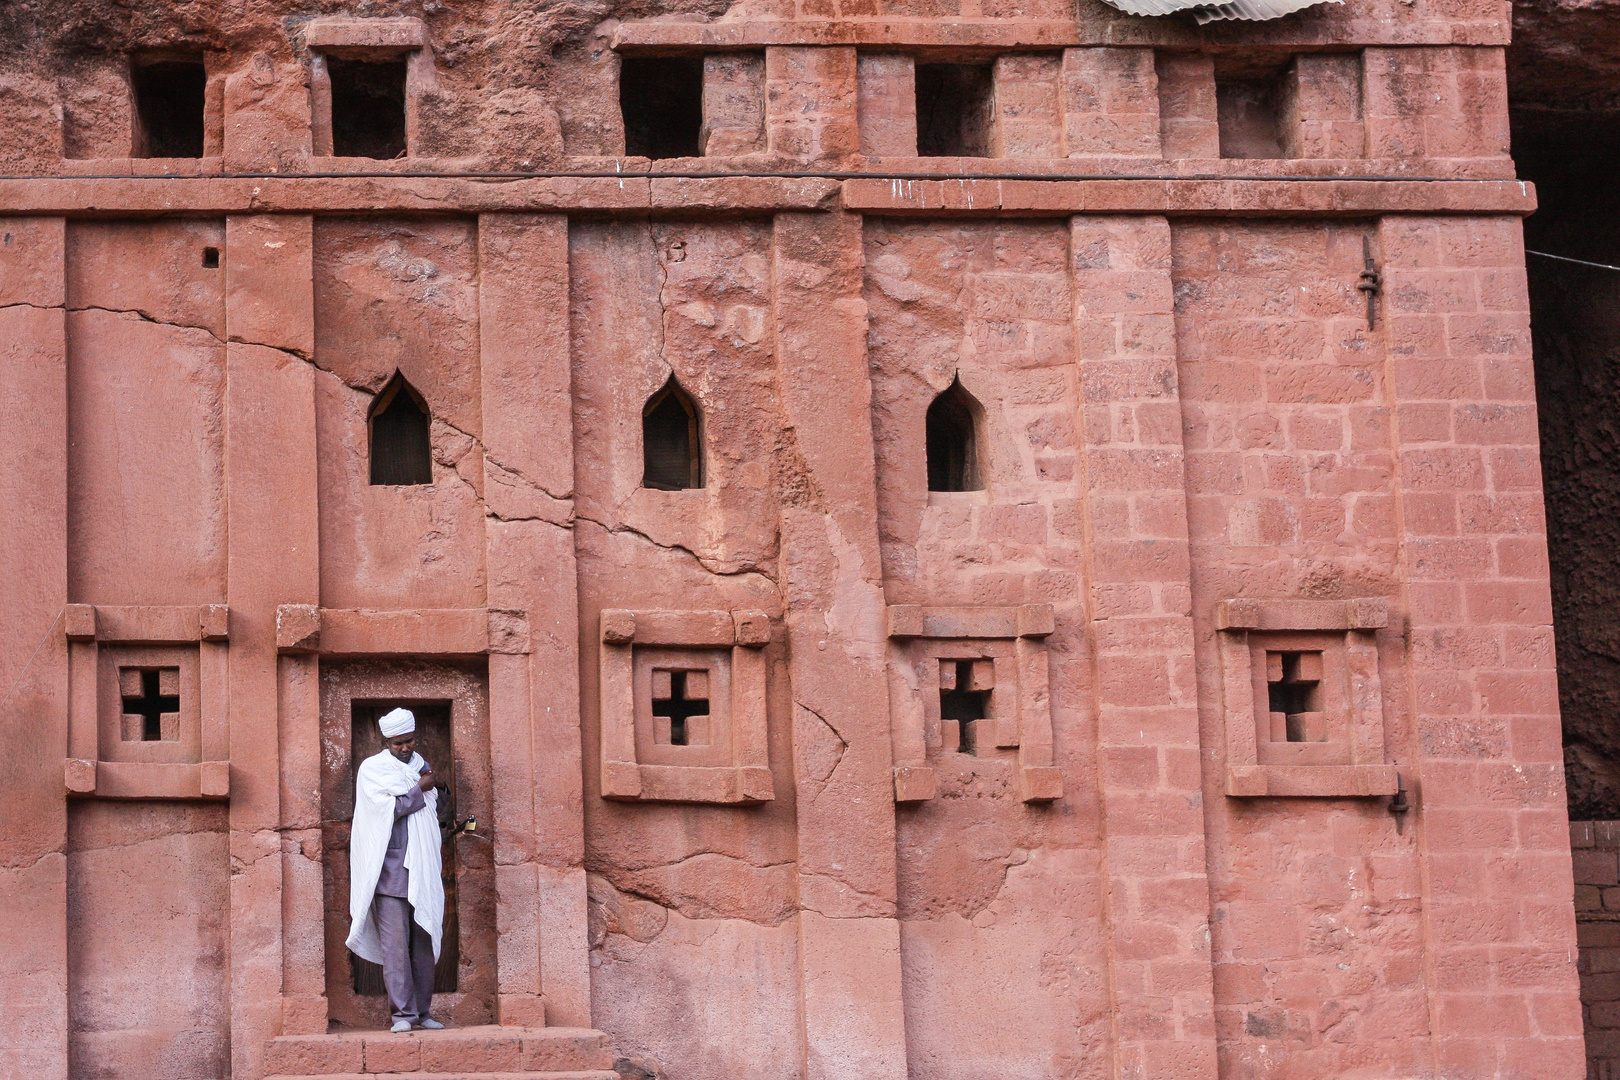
964	695
1294	684
151	694
680	695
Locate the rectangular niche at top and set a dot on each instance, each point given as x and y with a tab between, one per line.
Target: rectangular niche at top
366	78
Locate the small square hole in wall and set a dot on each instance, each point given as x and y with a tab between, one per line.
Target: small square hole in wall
210	258
368	107
1246	110
169	97
955	103
661	98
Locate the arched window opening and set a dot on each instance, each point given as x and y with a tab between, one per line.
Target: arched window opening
401	451
953	460
671	440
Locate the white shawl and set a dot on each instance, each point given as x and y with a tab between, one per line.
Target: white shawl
380	779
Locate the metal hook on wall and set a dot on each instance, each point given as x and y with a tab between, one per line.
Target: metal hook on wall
1398	805
1369	282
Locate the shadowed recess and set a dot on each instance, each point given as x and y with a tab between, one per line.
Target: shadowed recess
401	452
952	441
662	101
368	107
671	441
954	106
169	103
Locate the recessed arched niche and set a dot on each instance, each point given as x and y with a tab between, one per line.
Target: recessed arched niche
952	439
401	448
671	440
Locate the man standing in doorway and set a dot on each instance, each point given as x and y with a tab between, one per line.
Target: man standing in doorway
396	896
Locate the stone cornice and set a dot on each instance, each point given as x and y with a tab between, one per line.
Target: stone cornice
764	194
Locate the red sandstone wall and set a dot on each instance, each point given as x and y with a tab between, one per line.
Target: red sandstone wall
692	930
1289	420
1183	403
1310	472
147	380
154	1002
1009	890
394	295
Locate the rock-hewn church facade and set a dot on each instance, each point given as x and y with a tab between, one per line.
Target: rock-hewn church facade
945	540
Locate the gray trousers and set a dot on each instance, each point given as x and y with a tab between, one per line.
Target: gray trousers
407	958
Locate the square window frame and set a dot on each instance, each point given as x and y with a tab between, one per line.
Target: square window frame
1351	763
100	639
111	737
734	769
717	750
1014	638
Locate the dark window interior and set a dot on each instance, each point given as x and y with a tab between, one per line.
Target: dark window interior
1246	113
952	453
662	101
954	105
152	704
169	101
401	450
368	107
671	443
963	705
1294	689
679	708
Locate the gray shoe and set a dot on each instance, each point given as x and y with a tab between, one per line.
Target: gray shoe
431	1024
400	1025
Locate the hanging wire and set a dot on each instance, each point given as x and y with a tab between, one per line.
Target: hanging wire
1566	258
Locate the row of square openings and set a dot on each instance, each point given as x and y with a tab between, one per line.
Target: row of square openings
671	439
170	107
661	99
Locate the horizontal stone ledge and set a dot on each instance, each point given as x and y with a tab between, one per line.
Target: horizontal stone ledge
888	196
147	779
1103	28
304	629
1187	197
103	196
1311	781
146	623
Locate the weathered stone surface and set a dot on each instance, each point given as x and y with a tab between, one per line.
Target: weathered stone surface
979	807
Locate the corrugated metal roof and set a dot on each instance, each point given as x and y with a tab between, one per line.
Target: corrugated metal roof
1205	12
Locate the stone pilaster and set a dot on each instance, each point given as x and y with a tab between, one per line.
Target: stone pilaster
33	673
535	745
1138	569
271	513
849	938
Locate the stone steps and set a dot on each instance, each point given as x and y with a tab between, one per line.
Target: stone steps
477	1053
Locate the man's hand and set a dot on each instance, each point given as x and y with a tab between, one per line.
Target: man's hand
426	782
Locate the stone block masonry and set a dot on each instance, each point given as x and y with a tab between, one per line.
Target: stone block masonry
1596	852
1075	609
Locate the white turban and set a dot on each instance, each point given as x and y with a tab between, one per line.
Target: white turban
397	723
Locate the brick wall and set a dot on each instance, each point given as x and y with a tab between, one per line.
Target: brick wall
1596	847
